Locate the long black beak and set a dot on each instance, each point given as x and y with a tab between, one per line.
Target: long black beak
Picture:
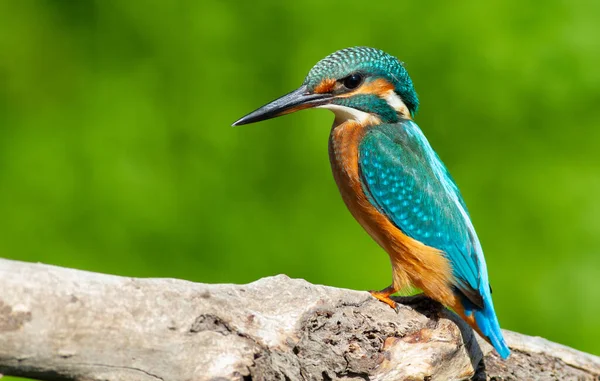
298	99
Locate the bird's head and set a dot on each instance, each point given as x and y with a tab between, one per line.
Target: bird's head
362	84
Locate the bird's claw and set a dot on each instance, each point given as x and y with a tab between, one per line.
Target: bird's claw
384	296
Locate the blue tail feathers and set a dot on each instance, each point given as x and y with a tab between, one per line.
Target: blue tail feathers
488	324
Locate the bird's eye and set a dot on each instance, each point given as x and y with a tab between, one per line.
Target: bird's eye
353	81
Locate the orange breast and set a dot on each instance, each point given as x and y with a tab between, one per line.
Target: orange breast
413	263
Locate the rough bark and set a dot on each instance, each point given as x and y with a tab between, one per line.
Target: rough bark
64	324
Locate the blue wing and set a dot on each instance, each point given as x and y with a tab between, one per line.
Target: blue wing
407	182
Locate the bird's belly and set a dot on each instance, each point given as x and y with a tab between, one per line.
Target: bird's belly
413	262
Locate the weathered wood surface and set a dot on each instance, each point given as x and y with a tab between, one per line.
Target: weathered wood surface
64	324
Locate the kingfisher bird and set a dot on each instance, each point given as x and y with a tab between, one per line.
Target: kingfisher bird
394	184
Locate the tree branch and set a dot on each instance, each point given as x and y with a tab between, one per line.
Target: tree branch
64	324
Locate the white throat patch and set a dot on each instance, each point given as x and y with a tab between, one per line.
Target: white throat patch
343	114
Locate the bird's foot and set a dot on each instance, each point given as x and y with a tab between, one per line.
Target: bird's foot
384	296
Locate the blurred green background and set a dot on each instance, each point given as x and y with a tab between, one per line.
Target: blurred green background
117	155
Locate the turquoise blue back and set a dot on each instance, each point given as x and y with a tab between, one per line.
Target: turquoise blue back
406	181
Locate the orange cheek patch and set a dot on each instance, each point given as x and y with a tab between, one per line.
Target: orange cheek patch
325	86
378	87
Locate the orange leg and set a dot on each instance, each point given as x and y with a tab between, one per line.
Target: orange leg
384	296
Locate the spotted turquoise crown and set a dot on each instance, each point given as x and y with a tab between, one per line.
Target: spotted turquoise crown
371	62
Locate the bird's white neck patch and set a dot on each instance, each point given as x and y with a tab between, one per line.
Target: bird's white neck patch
397	104
344	114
